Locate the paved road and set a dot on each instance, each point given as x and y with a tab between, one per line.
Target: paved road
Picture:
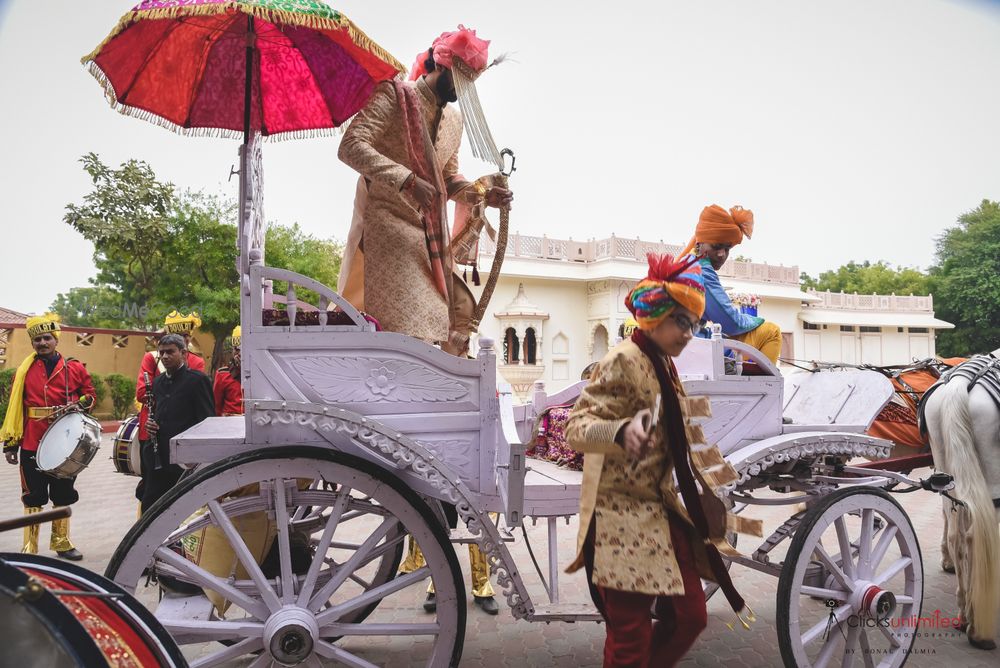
107	509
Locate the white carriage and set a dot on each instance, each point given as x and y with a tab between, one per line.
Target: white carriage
353	439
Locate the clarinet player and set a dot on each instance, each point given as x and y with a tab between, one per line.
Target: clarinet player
182	397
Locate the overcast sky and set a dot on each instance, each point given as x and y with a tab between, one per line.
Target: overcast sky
854	129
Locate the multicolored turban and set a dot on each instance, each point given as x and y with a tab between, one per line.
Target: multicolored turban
718	226
667	285
41	324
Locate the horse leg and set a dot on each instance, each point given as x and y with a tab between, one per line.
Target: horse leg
984	421
947	563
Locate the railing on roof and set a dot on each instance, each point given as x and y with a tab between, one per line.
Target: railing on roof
628	250
856	302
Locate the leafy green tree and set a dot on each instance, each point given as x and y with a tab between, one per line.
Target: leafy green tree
126	217
869	278
966	281
291	248
158	250
96	306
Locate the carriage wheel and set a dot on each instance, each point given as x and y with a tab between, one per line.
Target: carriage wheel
352	514
856	604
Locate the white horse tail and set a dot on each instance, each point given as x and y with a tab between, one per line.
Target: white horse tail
970	486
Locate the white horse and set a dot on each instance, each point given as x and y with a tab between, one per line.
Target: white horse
964	430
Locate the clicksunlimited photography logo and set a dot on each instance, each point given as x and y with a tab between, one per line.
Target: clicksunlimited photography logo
880	616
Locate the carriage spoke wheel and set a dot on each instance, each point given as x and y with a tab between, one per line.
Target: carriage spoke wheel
851	586
328	587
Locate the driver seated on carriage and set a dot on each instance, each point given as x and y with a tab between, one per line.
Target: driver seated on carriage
44	382
717	232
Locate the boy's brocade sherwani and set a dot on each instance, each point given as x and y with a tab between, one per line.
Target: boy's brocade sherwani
629	502
398	289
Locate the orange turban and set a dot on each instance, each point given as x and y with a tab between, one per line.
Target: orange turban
718	226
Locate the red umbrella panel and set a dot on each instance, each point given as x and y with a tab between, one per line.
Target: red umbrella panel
183	65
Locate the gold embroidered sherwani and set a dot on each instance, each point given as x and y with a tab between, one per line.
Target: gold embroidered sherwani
630	502
394	264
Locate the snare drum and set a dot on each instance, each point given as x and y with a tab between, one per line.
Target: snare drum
126	452
69	445
41	628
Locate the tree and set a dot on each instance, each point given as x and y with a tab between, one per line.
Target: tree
126	218
96	306
173	251
870	278
966	280
290	248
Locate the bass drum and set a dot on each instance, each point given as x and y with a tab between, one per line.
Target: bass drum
41	628
126	452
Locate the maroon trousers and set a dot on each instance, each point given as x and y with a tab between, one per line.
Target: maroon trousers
634	640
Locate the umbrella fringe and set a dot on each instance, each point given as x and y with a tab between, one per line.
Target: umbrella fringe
276	16
226	133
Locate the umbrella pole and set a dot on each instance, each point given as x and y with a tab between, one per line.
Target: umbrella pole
247	93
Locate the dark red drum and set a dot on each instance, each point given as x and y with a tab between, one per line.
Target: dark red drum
56	614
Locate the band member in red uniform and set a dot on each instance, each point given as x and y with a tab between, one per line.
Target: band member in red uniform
174	324
227	388
44	381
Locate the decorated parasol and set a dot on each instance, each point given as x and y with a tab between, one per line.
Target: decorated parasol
241	68
280	68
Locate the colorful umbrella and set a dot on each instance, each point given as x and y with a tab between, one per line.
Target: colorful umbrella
288	68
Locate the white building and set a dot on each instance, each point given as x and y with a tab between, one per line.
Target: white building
558	305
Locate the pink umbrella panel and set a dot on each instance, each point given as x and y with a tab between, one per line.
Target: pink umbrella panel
188	72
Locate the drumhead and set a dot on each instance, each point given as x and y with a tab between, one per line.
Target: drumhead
148	631
60	440
42	632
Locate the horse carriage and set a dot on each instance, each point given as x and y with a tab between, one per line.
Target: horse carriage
291	525
355	438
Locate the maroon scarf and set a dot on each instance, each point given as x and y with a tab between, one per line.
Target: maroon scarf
424	164
679	448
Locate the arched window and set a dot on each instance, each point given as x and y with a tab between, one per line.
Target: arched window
511	346
530	346
600	344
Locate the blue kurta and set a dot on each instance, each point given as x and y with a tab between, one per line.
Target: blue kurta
718	307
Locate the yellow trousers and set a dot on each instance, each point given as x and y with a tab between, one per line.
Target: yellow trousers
766	339
480	576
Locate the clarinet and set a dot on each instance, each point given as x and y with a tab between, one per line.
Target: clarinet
151	404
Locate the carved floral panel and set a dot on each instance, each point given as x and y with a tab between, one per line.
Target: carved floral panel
367	379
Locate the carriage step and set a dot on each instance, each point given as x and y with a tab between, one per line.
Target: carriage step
566	612
463	535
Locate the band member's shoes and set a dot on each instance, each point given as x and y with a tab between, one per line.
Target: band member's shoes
72	554
430	604
487	604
